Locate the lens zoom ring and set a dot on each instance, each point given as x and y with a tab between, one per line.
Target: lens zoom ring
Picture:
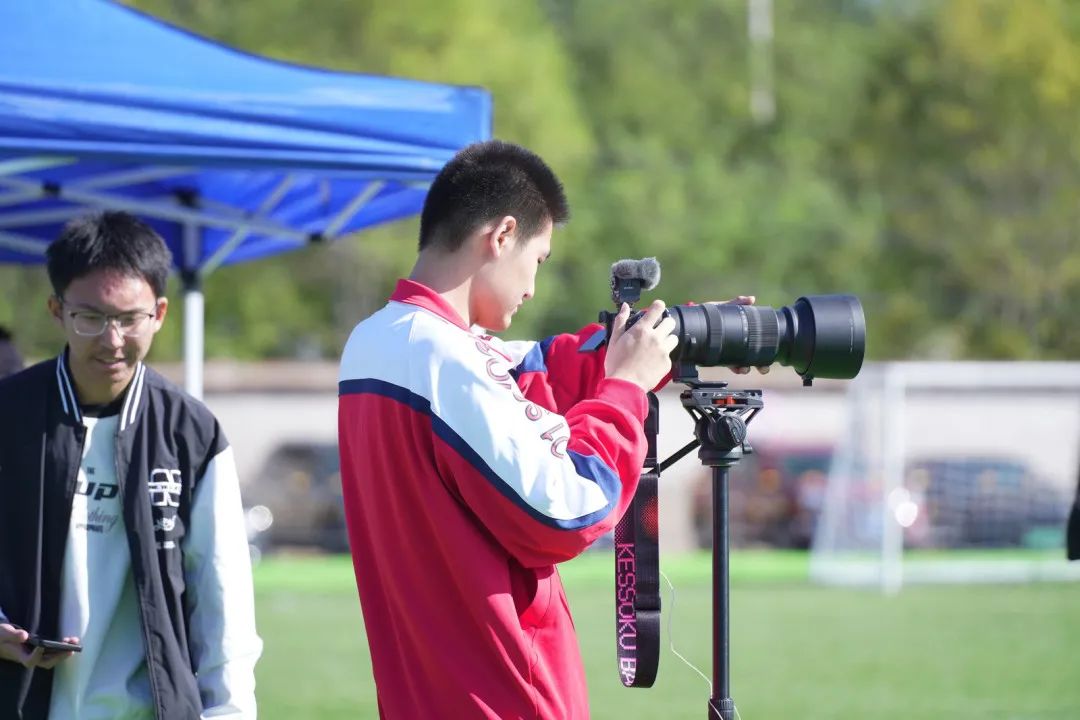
762	332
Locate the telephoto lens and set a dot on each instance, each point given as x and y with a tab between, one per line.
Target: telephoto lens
819	336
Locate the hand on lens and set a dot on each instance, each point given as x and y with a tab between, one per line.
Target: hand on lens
743	300
642	353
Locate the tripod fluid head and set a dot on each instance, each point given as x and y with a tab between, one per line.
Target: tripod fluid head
720	418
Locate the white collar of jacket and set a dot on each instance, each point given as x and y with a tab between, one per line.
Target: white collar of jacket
70	402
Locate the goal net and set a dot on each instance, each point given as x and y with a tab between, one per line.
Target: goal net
952	472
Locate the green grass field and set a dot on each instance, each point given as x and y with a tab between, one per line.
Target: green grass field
1001	652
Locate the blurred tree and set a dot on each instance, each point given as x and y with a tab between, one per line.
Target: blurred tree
23	310
684	172
922	155
966	133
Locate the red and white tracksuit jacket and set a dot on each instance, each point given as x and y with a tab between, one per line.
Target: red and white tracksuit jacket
470	467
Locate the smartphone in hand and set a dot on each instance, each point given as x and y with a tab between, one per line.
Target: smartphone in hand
53	645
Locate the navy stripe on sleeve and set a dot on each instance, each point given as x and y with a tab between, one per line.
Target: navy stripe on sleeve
587	466
535	360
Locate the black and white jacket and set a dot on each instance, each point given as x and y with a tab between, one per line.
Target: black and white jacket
182	511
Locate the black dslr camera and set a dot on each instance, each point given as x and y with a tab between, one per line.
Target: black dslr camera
819	335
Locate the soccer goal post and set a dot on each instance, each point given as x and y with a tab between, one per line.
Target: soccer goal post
952	472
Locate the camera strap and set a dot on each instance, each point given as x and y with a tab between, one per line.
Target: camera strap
637	571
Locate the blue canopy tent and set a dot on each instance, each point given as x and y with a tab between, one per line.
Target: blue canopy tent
230	157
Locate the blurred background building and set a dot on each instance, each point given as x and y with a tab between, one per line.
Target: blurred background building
964	456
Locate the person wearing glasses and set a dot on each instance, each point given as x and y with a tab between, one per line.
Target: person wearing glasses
125	580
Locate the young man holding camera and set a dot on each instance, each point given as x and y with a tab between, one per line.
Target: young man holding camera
470	467
125	581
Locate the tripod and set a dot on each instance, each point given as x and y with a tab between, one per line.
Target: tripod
720	419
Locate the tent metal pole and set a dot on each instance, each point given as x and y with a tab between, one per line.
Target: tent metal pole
40	216
241	233
17	166
193	340
124	178
164	211
194	314
22	243
362	198
18	197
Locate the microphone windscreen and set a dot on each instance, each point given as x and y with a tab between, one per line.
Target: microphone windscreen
647	270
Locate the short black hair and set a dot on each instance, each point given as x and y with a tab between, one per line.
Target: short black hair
486	181
109	240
